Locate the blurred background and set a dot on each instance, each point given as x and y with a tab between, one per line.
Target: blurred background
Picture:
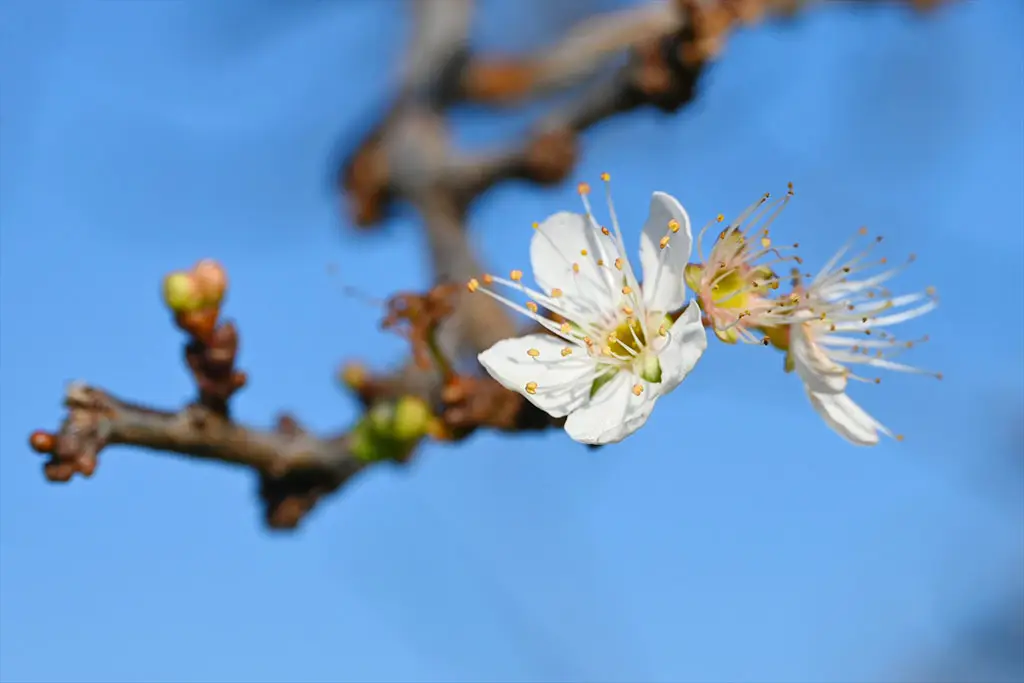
735	538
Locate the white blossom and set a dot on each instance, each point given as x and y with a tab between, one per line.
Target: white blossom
838	322
614	349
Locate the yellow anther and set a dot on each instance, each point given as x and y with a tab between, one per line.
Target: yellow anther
605	231
600	261
583	252
533	353
862	231
720	218
899	437
567	351
618	263
605	177
673	225
532	307
662	331
588	341
627	290
765	242
930	291
487	278
627	310
516	275
555	293
575	267
531	388
473	284
566	328
638	389
583	188
536	225
664	242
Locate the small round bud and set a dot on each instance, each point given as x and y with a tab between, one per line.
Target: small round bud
42	442
181	293
211	280
411	419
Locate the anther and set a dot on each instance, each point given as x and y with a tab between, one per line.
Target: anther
565	328
618	263
566	351
638	389
487	278
533	353
575	267
673	225
664	242
531	306
605	231
583	252
531	388
536	225
473	284
606	177
627	290
516	275
583	188
720	218
555	293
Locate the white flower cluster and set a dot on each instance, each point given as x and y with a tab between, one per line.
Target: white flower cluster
613	343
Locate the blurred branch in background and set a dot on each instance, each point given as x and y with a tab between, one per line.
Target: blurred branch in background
408	158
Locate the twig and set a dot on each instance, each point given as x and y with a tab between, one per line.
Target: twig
408	157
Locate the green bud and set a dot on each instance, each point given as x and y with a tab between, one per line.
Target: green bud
411	418
181	294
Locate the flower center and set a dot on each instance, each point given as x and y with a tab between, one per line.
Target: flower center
730	290
628	338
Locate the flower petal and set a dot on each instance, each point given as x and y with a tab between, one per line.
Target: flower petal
563	382
663	269
686	343
614	412
817	371
847	418
568	238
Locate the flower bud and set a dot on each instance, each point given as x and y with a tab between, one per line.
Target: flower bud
181	293
411	418
211	280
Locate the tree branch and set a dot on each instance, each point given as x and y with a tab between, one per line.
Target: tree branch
408	157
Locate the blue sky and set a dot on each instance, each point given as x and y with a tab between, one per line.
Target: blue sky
733	538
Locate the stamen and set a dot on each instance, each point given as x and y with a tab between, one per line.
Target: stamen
532	353
531	388
638	389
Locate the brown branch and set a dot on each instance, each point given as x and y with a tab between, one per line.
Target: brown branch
408	157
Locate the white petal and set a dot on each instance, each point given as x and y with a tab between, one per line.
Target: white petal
663	285
686	344
816	370
563	383
614	412
557	244
847	418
